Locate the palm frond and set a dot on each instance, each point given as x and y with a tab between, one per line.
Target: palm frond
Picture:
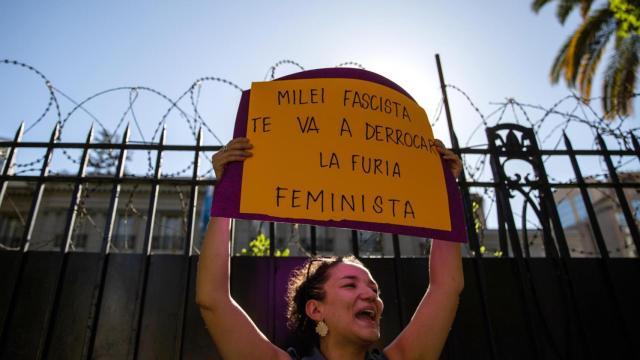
630	62
591	60
558	62
586	73
582	41
620	78
564	9
579	57
538	4
585	7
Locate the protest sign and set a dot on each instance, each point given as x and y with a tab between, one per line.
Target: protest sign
340	147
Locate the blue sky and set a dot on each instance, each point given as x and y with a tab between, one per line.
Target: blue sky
491	49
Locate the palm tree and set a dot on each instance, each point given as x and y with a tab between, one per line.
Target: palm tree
565	7
580	55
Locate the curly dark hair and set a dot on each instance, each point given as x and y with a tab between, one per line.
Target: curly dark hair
307	283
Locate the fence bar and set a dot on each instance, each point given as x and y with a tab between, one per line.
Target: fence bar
527	149
636	146
146	251
153	199
355	249
204	182
28	225
525	235
313	240
550	242
593	219
397	276
213	148
97	179
28	230
272	238
506	217
75	197
193	197
115	193
188	249
395	239
94	316
8	162
502	231
622	199
111	146
602	246
466	197
37	198
469	220
549	210
550	206
558	152
72	211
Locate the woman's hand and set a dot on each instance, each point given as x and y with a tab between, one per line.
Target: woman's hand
454	162
236	150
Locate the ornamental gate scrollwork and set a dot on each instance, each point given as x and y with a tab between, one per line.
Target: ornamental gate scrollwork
507	143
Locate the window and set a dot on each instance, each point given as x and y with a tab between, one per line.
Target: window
581	210
78	241
324	239
635	211
170	234
10	232
370	242
565	211
79	236
124	237
635	208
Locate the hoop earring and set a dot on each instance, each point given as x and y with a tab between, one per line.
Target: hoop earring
322	329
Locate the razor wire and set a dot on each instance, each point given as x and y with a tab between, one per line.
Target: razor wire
549	123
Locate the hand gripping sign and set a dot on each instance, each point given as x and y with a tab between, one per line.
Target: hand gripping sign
344	148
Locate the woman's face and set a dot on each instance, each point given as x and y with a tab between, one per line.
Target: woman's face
352	308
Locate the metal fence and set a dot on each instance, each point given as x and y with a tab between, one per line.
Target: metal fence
517	303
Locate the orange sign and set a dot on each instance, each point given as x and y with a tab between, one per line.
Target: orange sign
342	149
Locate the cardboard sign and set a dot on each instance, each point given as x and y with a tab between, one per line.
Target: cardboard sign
340	147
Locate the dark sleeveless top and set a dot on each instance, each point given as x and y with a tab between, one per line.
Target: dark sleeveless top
374	354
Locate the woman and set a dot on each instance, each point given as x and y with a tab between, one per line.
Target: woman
333	303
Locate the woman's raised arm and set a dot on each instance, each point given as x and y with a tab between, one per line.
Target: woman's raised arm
425	335
233	332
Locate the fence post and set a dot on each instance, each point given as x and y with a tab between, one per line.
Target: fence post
468	211
188	247
94	315
146	248
526	149
636	145
586	199
504	206
64	246
602	246
313	240
29	225
8	162
37	198
622	199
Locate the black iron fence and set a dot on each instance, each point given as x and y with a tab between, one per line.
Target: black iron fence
558	284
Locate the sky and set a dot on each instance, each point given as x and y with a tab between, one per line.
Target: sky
492	50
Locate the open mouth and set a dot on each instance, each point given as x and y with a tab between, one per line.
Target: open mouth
368	316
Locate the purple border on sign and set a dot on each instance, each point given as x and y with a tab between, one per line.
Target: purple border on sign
227	191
